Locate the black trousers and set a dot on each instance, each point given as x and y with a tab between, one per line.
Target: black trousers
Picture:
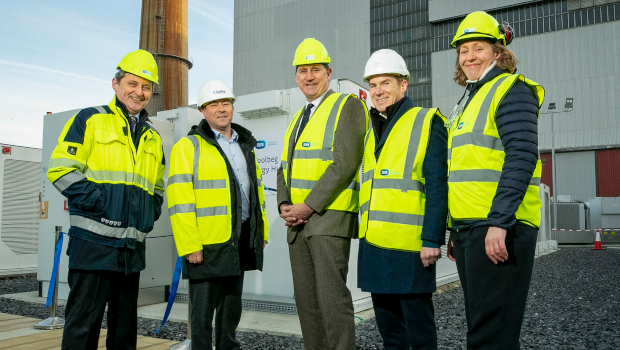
222	295
495	295
90	292
406	321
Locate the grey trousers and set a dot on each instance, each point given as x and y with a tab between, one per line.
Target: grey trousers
320	265
222	295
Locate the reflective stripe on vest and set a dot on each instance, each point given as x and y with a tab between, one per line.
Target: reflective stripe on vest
201	195
392	191
476	156
313	153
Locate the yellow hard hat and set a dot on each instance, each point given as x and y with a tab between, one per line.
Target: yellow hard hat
310	51
140	63
481	25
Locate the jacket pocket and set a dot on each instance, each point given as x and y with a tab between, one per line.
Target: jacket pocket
110	155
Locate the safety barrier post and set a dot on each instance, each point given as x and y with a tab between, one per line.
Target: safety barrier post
187	344
54	322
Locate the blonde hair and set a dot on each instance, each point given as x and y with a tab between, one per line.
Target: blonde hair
506	60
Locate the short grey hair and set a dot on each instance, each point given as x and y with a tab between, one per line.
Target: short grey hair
120	74
324	65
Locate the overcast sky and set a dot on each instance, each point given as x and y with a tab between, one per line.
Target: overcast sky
60	55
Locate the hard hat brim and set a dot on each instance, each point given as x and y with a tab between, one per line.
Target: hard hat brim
476	36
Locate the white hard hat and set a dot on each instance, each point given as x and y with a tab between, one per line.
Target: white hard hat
385	61
214	90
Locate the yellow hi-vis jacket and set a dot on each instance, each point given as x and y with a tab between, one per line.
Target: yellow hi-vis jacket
96	145
392	195
476	156
199	198
313	153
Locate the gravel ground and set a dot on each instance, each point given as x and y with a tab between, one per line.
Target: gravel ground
573	304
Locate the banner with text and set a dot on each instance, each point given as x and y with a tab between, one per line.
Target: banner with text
268	152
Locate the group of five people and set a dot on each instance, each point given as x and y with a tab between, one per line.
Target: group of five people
395	177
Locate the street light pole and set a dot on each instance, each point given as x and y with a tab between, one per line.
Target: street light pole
555	183
568	107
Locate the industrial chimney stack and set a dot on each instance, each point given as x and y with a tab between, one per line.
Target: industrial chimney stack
163	32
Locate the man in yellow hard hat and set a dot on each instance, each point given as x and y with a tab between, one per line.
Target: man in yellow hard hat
217	211
109	163
318	186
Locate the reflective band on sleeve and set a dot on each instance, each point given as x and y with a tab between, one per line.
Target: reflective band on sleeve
398	184
65	163
535	181
303	184
180	178
284	164
476	175
211	211
209	184
69	179
396	218
159	192
262	205
182	209
313	154
330	126
104	230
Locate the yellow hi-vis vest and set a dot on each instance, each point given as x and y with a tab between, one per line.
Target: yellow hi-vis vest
392	193
313	153
198	195
476	156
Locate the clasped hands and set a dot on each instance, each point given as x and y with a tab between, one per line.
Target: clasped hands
295	214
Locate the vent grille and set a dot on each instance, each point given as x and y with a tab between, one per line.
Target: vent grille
280	308
20	206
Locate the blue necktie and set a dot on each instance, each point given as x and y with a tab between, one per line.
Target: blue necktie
304	120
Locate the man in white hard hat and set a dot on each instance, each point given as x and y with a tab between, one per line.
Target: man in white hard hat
318	186
405	173
217	211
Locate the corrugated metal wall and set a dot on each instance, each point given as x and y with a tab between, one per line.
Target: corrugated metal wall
576	174
608	172
267	33
20	206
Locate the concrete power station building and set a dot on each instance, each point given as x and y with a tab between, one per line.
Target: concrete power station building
568	46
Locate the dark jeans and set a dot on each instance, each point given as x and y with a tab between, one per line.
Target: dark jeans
495	295
90	292
406	321
222	295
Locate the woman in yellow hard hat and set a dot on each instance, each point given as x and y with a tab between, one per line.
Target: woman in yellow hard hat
494	173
